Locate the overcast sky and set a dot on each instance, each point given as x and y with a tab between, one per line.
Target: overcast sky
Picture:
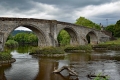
63	10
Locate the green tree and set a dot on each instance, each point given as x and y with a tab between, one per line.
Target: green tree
82	21
63	38
26	38
117	29
10	37
32	38
110	28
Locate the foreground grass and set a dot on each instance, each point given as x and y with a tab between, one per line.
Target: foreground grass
5	55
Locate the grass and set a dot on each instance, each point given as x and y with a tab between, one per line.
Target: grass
47	50
81	47
110	45
101	78
114	42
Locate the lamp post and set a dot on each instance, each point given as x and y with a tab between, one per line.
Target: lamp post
107	21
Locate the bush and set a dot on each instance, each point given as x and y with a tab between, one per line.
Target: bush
11	44
5	55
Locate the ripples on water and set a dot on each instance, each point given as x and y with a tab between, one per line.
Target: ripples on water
28	67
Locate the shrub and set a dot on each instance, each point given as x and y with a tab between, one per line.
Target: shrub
11	44
5	55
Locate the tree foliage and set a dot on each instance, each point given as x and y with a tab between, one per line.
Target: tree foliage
110	28
63	38
82	21
11	43
117	29
25	38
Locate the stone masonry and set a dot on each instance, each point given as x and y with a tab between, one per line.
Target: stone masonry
47	31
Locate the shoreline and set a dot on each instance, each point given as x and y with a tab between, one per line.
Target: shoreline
49	55
7	61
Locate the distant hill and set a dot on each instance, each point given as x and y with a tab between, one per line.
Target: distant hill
19	31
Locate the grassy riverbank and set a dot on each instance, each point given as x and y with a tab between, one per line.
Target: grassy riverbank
47	50
81	48
59	50
110	45
114	42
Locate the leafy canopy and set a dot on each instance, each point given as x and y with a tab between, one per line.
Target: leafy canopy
82	21
115	29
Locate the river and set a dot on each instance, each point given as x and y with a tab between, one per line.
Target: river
28	67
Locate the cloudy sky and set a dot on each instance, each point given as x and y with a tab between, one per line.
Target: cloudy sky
99	11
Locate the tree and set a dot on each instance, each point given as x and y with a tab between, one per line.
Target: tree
110	28
82	21
26	38
63	38
117	29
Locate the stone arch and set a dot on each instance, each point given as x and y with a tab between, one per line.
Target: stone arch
38	32
91	38
73	35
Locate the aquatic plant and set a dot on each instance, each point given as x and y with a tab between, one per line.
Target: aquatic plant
101	78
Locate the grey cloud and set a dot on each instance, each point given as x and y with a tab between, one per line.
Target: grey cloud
111	17
24	4
20	4
65	12
74	3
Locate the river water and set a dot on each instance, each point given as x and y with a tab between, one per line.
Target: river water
29	67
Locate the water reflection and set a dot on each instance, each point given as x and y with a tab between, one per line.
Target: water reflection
28	67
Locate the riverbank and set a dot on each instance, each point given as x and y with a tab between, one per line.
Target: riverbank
109	45
59	51
81	48
47	51
6	57
7	61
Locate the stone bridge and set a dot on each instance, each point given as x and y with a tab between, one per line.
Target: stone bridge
47	31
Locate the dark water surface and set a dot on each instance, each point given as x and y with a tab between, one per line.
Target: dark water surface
28	67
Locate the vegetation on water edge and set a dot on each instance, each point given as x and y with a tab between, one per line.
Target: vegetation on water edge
81	47
5	55
110	45
47	50
100	77
11	44
113	42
